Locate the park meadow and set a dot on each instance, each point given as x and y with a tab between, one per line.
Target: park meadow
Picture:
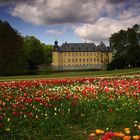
80	108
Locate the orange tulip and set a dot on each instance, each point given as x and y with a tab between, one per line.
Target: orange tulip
139	126
126	137
118	134
121	134
98	131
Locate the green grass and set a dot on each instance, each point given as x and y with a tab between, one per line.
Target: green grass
49	75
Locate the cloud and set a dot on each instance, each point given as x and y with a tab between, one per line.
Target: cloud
28	13
93	19
5	2
8	1
56	32
103	28
121	1
59	11
70	11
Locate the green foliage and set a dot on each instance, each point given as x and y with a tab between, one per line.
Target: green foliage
34	52
118	63
126	47
11	51
48	53
19	54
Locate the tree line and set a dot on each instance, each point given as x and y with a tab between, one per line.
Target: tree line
125	45
21	55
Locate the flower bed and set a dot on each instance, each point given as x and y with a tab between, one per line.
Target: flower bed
39	103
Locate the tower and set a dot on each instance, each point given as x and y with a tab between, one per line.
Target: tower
55	43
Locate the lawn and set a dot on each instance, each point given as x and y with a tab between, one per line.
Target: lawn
48	74
71	108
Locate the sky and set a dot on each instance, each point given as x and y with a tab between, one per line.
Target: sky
73	21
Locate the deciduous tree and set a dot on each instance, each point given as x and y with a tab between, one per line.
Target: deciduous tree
11	51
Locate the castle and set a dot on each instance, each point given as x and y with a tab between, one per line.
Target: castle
81	56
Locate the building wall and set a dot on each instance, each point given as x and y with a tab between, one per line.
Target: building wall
55	58
80	60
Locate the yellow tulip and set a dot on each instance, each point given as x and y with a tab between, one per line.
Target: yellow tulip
92	134
136	137
135	125
127	132
102	132
7	129
127	129
135	121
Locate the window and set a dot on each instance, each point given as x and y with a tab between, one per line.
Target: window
91	53
87	53
79	54
68	60
68	54
72	49
80	60
91	60
65	54
83	59
94	59
76	60
72	54
87	59
83	54
72	60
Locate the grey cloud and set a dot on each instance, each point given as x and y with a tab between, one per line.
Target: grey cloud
121	1
12	1
59	11
68	11
87	13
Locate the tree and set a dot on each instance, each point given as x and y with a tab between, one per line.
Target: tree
34	52
48	53
126	47
11	51
133	51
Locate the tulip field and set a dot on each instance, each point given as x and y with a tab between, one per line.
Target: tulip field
101	108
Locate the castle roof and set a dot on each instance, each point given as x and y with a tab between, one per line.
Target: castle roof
82	47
